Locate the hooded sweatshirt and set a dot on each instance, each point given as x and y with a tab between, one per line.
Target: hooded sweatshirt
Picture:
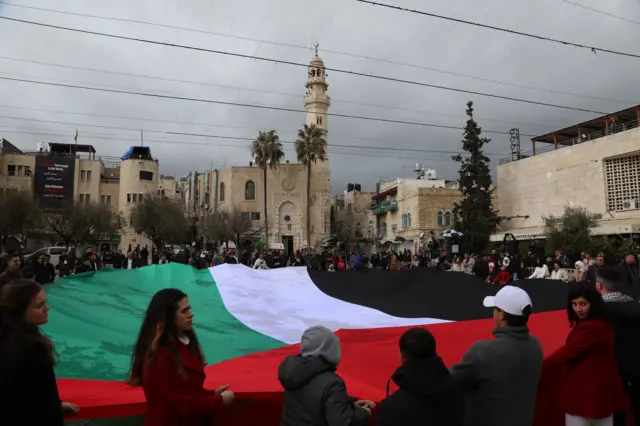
314	394
427	396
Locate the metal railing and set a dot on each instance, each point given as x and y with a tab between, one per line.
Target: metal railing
384	207
585	137
112	181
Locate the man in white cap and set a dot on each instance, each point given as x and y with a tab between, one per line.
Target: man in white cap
499	378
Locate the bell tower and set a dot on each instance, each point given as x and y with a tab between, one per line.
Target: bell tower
317	102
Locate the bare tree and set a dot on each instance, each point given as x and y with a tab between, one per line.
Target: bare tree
19	215
67	223
227	225
160	219
101	221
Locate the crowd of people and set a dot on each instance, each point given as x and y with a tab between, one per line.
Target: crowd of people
495	383
598	365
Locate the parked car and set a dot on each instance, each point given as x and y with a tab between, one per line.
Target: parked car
54	252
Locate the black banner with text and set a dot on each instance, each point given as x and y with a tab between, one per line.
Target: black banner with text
54	178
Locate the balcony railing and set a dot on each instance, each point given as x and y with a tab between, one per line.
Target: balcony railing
112	181
585	137
389	206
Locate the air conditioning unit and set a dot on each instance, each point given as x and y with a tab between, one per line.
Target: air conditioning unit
206	206
630	204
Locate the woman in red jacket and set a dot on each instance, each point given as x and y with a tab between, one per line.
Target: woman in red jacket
590	386
169	365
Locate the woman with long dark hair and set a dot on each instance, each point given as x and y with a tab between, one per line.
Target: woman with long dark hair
590	386
169	365
28	389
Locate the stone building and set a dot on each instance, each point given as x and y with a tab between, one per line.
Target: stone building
595	164
117	181
410	211
352	220
241	187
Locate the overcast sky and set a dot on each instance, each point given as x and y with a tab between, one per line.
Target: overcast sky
343	28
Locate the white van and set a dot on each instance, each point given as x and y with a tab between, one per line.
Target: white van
54	252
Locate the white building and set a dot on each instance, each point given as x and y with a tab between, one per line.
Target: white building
595	165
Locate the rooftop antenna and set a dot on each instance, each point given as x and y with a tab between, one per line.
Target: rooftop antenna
142	137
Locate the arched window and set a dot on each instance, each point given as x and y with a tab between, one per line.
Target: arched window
319	120
440	219
358	230
250	190
222	191
384	228
404	220
408	219
447	219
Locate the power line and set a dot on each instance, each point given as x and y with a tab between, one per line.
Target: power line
259	58
277	93
337	52
239	104
134	118
594	49
602	12
237	138
333	152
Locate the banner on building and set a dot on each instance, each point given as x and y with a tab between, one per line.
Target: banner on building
54	179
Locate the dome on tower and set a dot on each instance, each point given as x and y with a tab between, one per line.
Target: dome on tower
316	61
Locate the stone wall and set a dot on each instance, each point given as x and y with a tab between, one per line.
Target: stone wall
543	184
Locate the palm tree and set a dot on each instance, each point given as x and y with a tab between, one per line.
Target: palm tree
311	147
267	152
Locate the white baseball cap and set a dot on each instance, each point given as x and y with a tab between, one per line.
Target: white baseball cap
510	299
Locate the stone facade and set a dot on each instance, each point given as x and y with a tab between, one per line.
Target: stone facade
101	180
242	187
352	219
409	208
602	175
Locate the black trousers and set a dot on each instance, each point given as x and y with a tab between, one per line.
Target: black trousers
633	391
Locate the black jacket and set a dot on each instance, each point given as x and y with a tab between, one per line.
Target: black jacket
314	395
427	396
624	316
630	275
28	389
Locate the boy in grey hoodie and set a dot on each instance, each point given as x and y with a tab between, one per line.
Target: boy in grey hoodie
314	394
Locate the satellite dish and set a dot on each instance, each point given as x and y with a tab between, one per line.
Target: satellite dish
421	235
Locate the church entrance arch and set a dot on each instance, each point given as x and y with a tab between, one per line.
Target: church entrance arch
288	225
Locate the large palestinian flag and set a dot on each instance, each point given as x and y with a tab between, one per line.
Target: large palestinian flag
249	320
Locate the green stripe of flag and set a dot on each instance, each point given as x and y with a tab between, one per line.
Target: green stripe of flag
95	318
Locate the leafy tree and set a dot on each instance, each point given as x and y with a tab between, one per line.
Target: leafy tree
101	220
19	215
267	153
311	147
572	231
68	223
227	225
474	216
160	219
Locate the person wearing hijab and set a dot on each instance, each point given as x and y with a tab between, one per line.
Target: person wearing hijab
580	272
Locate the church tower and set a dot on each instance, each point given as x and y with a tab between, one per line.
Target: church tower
317	102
